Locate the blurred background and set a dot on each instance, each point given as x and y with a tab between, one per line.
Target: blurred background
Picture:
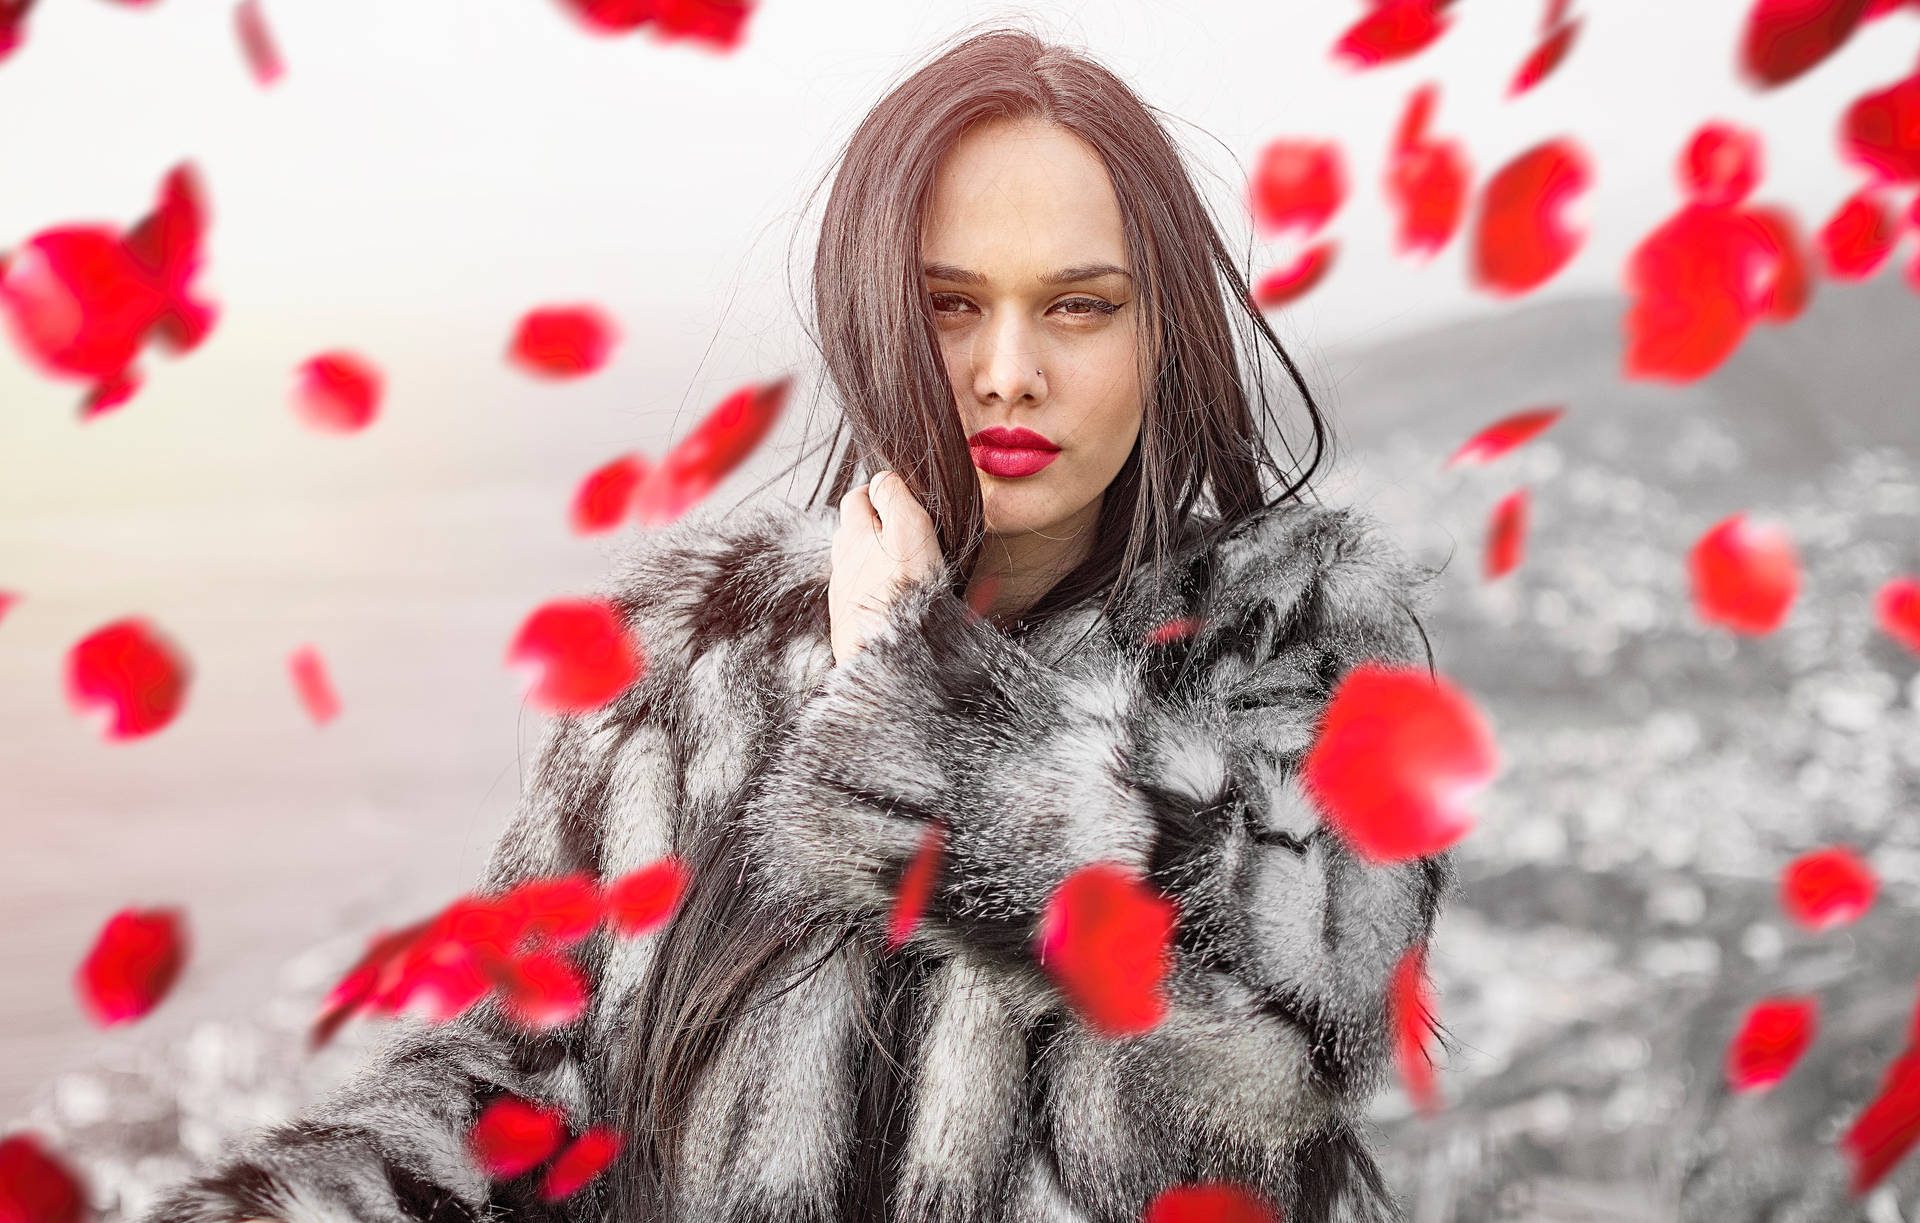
426	172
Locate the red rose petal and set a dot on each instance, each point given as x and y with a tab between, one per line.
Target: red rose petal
13	25
1889	1126
80	306
585	655
980	598
1882	131
1288	284
1213	1202
1397	755
720	443
315	688
1393	31
1104	938
7	600
112	392
1721	164
338	392
590	1154
1506	434
1506	534
166	244
1858	237
256	41
1297	184
1786	295
459	958
513	1136
1414	119
130	668
605	496
1772	1036
134	962
718	24
1745	575
1785	38
1177	629
371	976
647	898
563	341
561	910
1545	58
540	990
1697	284
35	1186
1411	1006
1426	180
1896	608
916	885
613	16
1520	238
1827	888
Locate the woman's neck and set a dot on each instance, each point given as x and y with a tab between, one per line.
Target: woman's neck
1024	566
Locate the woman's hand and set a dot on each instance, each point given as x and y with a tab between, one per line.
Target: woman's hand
884	542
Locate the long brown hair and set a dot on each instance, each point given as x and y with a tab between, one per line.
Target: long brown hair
1202	442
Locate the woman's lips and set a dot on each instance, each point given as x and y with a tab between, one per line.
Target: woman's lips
1010	462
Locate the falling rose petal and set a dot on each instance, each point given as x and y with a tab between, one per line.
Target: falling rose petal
338	392
718	24
584	654
1896	608
561	910
35	1186
79	305
1772	1036
718	444
1858	237
1393	30
1889	1126
1397	755
7	600
1696	285
1412	128
1506	434
1297	184
513	1136
541	990
1721	164
916	885
167	246
135	960
647	898
310	680
256	41
1786	293
980	598
1506	534
612	16
369	977
1411	1006
1177	629
605	496
1288	284
454	963
584	1160
1827	888
1104	938
131	669
1745	575
1427	183
1545	58
1520	237
1785	38
112	392
13	25
1213	1202
563	341
1882	131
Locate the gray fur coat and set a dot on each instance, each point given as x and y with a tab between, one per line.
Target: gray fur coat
1040	752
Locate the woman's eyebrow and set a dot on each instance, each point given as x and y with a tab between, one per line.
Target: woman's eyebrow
1065	276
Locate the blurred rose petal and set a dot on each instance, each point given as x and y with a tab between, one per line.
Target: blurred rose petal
13	25
1506	434
1896	608
613	16
584	1160
1104	938
584	654
1827	888
563	341
720	443
605	496
109	394
36	1186
647	898
371	976
1177	629
1790	286
1297	184
7	600
1858	237
256	41
134	962
130	668
338	392
455	962
1411	1007
560	910
1772	1036
1213	1202
1545	58
311	681
1288	284
1889	1126
514	1136
1745	575
1393	30
1721	165
1696	285
1882	131
916	885
167	246
539	990
1397	755
1521	238
1785	38
719	24
1426	180
1506	534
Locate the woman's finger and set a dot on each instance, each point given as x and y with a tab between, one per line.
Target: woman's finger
857	506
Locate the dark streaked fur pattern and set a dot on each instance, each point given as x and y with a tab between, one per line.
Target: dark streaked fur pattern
1039	754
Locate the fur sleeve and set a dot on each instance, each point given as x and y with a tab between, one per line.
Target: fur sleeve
1286	939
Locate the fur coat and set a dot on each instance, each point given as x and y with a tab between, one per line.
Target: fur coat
1041	751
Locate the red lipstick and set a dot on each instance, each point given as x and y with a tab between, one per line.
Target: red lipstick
1011	453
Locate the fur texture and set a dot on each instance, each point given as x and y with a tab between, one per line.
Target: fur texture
1038	754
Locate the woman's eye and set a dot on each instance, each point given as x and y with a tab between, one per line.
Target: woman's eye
1077	307
1094	306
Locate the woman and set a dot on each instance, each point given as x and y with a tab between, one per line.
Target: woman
975	639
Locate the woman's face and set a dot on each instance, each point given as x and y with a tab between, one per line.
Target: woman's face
1025	266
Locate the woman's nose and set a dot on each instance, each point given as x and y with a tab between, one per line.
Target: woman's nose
1008	362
